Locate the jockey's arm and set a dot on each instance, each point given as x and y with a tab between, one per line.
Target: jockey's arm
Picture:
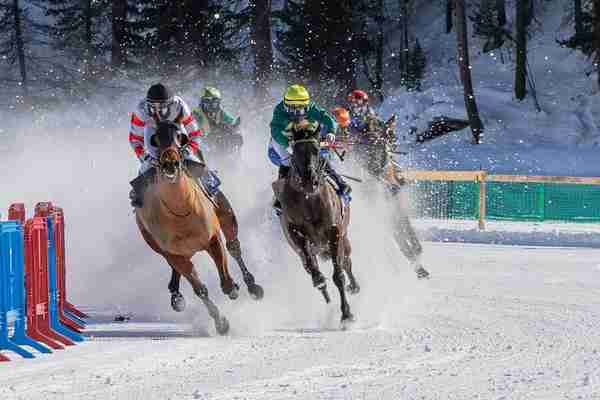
228	118
324	117
191	127
202	121
279	124
136	135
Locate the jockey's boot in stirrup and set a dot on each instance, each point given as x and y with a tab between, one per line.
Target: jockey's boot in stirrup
284	172
343	188
206	178
139	184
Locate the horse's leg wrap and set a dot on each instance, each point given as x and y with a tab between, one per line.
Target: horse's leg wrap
177	299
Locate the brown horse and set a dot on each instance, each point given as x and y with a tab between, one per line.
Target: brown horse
179	219
374	154
314	218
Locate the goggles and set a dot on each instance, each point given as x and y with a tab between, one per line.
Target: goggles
211	104
159	107
295	110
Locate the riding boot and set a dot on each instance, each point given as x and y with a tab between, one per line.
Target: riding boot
139	185
343	188
205	177
284	172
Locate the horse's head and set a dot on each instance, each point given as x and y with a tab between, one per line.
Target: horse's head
383	132
305	161
168	140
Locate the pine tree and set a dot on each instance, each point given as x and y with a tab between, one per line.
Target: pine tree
77	31
489	19
416	67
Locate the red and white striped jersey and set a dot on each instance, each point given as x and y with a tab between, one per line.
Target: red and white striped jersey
143	126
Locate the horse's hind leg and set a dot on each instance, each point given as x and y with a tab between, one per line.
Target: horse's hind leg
353	287
216	251
229	226
336	248
177	299
184	267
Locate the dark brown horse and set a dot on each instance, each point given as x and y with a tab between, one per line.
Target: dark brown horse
374	154
314	218
179	219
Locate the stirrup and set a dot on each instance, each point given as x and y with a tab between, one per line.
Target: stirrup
277	207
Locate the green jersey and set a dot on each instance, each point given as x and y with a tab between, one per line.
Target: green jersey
281	120
222	121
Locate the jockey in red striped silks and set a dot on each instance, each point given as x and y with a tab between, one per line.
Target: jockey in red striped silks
161	105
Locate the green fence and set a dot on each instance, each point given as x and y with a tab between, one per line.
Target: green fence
517	201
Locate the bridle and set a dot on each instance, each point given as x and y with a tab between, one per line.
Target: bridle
294	166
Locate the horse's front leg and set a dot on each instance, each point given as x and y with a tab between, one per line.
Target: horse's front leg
409	244
336	247
177	299
309	260
229	227
184	266
216	250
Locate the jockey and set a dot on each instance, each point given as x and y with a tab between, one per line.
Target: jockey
160	105
296	104
362	115
211	118
342	116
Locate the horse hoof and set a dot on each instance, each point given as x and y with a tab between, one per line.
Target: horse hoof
177	302
256	291
422	273
353	289
234	293
347	321
222	326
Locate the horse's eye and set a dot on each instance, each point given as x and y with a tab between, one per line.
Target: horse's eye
154	141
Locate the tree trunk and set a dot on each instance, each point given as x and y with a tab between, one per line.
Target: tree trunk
261	42
501	12
521	62
119	21
577	14
465	70
449	11
405	45
313	41
597	37
20	46
339	45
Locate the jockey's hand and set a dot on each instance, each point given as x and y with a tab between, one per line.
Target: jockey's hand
147	158
330	138
187	150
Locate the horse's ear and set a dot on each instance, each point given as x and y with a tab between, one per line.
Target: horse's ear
183	139
391	121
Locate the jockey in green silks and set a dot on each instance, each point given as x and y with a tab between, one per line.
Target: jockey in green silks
297	104
211	118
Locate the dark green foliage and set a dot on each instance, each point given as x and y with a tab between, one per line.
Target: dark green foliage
488	24
416	68
584	40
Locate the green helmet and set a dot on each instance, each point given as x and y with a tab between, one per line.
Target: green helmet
211	92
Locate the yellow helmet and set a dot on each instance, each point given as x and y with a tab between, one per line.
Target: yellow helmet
296	95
